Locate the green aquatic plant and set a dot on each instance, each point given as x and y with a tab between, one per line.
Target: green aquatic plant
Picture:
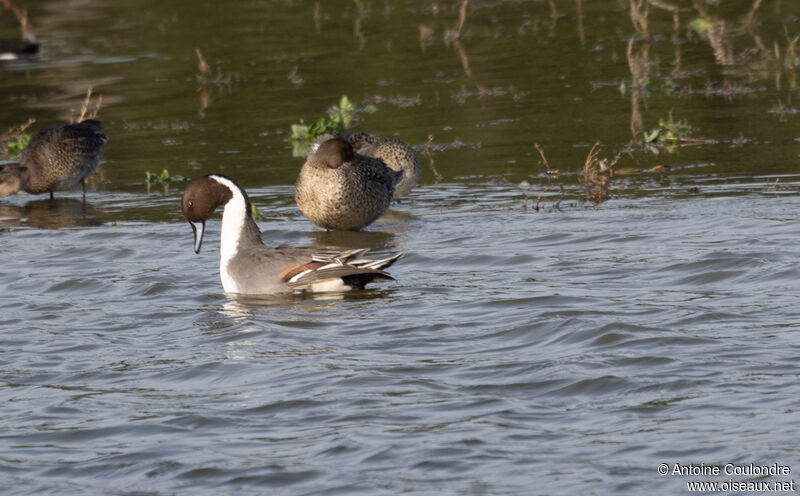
164	178
337	121
153	178
670	134
256	212
674	130
15	147
700	26
13	141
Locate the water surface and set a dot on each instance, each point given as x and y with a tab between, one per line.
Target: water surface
534	342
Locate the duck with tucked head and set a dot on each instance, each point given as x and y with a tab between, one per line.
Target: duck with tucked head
340	189
57	158
394	153
248	266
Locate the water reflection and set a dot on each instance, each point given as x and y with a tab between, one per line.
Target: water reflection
50	214
349	240
296	307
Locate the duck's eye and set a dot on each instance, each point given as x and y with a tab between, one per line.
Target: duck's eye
191	204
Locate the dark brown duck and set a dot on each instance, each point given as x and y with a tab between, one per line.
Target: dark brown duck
57	158
340	189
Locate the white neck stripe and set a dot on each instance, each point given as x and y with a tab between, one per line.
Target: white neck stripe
233	217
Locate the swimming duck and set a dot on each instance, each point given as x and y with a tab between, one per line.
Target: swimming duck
248	266
57	158
340	189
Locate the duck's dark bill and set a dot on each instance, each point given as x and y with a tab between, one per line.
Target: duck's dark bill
198	228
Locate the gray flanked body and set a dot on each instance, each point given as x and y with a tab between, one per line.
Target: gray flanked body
251	267
57	158
342	190
248	266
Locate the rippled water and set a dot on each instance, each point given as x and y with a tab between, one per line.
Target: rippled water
533	343
586	348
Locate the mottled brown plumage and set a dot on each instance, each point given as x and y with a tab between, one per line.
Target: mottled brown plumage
340	189
396	154
57	158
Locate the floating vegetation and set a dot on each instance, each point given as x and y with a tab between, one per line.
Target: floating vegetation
700	26
672	130
153	178
665	84
596	175
496	122
430	146
782	111
163	179
727	90
594	179
337	121
399	101
13	141
670	134
463	95
15	147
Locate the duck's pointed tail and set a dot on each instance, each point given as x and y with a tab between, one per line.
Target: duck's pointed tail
339	272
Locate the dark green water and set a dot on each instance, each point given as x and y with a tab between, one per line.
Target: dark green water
568	349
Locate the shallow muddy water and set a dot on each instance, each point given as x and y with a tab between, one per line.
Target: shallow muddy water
534	342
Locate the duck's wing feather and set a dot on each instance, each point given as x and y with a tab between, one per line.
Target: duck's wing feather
344	266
